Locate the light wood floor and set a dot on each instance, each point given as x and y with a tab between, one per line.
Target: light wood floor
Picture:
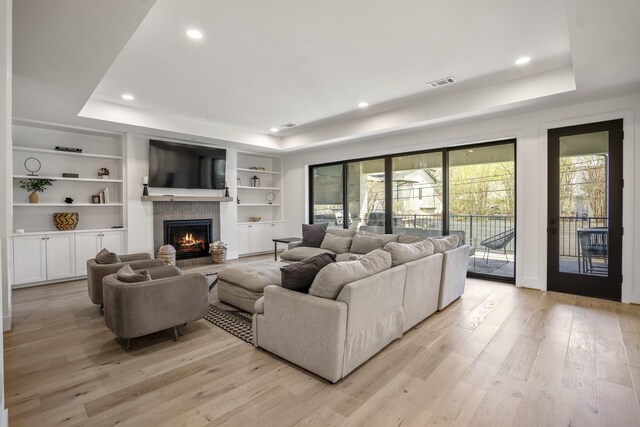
499	356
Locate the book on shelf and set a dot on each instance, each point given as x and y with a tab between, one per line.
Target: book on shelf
105	193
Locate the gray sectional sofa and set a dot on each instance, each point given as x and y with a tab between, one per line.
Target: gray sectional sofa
332	337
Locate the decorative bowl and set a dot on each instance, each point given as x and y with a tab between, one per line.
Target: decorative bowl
255	218
65	221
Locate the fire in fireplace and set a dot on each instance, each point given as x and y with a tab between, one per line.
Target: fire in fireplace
191	238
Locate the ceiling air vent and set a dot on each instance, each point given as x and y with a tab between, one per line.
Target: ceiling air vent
288	125
442	82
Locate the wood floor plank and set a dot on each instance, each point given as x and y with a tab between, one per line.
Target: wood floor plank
617	405
500	355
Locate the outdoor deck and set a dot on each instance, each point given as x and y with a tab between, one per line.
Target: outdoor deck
497	265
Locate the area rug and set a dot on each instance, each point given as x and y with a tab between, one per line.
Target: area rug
486	266
228	318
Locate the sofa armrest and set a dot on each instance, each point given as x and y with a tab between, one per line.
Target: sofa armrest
293	244
454	275
376	315
135	309
162	272
306	330
134	257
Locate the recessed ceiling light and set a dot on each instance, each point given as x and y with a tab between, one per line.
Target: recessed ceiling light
523	60
194	34
363	104
274	129
127	97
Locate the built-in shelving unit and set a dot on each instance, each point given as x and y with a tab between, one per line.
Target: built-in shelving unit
99	150
257	237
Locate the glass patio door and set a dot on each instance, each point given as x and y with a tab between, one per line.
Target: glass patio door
585	210
482	205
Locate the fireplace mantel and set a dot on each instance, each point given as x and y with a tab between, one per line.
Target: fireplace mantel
186	199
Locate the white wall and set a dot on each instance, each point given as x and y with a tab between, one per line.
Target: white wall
5	181
530	129
140	214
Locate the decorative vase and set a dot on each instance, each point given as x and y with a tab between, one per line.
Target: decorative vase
65	221
33	197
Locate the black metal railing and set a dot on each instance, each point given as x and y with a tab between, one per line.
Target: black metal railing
476	228
568	227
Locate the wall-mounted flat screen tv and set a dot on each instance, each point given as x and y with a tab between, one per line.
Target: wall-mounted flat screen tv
174	165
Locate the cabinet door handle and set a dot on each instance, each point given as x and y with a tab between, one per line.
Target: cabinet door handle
251	226
43	238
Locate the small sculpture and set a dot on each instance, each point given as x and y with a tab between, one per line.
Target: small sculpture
103	172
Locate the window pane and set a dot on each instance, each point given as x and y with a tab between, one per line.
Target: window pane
417	194
482	205
584	204
327	195
365	195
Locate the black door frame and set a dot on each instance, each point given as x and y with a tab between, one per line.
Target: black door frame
609	287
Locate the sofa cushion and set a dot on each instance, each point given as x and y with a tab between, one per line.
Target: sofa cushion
364	244
299	276
302	252
402	253
313	234
332	278
445	243
253	277
342	232
106	257
127	275
337	244
407	238
386	238
347	257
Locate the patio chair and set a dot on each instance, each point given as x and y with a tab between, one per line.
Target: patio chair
498	242
594	243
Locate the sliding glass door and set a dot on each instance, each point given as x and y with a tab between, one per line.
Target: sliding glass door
482	205
469	191
327	195
417	200
366	199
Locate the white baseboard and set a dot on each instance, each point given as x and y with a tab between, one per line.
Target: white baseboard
5	418
6	323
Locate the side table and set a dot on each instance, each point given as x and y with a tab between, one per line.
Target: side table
282	240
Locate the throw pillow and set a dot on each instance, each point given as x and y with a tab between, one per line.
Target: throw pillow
332	278
342	232
406	238
365	244
337	244
106	257
444	243
313	234
385	237
127	275
405	252
299	276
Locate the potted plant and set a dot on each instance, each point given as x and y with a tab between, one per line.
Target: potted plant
103	173
34	186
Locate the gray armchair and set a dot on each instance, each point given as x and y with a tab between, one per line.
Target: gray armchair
170	299
96	272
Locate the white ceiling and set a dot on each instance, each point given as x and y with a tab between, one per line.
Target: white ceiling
265	63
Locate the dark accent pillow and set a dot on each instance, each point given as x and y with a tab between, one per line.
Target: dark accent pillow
106	257
313	234
127	275
299	276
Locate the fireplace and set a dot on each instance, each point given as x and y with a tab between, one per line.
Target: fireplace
191	238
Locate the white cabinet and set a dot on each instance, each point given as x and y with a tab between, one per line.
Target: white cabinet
88	244
61	252
29	259
42	257
56	256
258	237
269	232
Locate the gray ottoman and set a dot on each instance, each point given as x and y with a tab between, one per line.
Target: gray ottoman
243	286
